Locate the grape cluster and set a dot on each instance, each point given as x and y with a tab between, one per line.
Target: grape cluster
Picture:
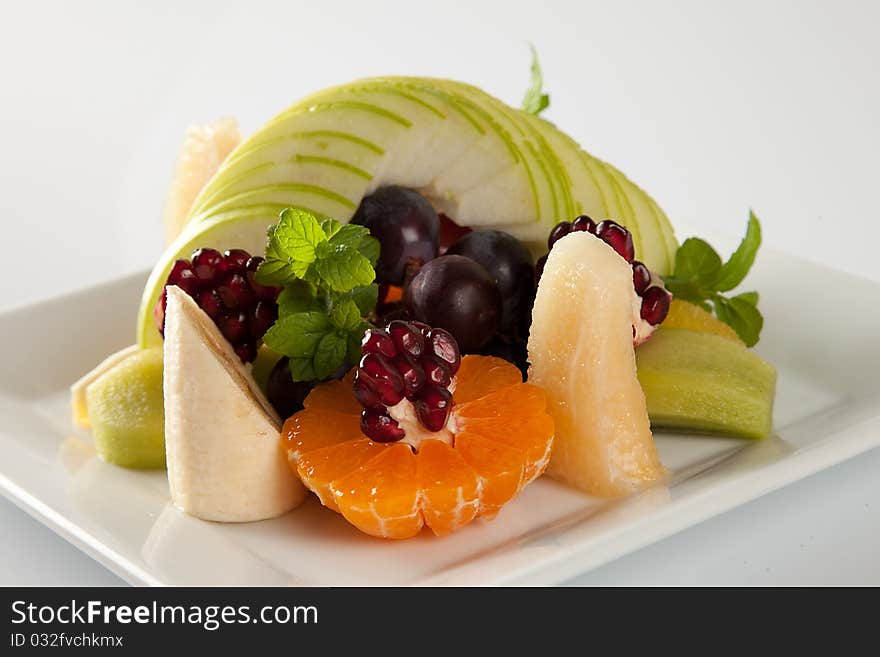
223	285
406	360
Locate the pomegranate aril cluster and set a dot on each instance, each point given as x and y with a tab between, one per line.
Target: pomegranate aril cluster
655	298
223	285
406	360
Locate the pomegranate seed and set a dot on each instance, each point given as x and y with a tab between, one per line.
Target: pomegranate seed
263	292
539	268
183	276
617	237
424	328
433	406
559	231
380	427
264	316
236	293
236	260
210	302
366	396
655	305
377	341
247	351
208	265
159	311
412	373
382	376
233	326
641	277
436	371
407	338
442	345
584	224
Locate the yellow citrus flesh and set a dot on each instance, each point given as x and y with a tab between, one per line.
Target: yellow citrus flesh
684	315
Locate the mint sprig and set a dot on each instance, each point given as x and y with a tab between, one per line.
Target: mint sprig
327	271
701	278
535	101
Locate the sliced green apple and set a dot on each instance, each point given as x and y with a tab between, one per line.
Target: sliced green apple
702	382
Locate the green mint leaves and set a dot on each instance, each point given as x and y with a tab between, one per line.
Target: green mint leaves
326	270
700	277
535	101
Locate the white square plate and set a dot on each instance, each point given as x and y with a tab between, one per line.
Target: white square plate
821	332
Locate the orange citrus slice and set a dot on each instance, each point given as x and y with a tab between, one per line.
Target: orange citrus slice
501	441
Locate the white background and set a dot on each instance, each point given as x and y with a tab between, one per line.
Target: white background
712	107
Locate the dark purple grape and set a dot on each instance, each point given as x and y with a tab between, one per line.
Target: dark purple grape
406	226
457	294
513	351
539	267
285	394
511	265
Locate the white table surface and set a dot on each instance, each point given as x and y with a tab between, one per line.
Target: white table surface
712	107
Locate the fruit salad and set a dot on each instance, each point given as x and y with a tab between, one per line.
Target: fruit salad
410	300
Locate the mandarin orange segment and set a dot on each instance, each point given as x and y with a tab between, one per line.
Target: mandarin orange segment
381	497
318	468
316	428
333	396
498	467
450	487
480	375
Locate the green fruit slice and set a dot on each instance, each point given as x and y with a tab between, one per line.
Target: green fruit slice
701	382
126	410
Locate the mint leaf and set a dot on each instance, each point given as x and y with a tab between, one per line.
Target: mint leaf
342	268
302	369
535	101
297	336
354	342
742	316
292	247
366	297
369	248
349	235
345	315
330	354
298	297
735	269
696	261
330	226
748	297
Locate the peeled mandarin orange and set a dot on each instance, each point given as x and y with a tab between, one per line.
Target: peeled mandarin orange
686	315
501	440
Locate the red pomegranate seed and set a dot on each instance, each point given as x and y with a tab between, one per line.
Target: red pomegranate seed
236	293
377	341
655	305
584	224
208	265
236	260
539	268
233	326
412	373
424	328
442	345
380	427
641	277
159	311
247	351
363	391
436	371
264	316
559	231
210	302
433	406
380	374
183	276
617	237
407	338
263	292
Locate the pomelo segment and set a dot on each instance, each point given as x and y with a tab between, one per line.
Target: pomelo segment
703	382
581	354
